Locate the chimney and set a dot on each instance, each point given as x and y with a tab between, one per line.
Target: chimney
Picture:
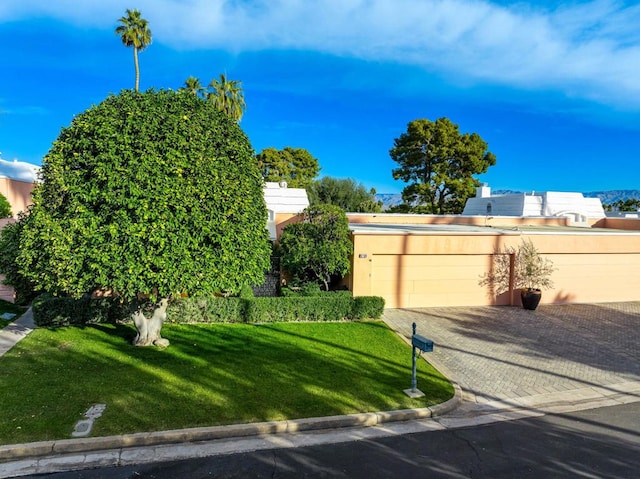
483	191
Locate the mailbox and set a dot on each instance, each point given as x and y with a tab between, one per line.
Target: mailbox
426	346
423	344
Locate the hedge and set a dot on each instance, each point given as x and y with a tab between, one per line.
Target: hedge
207	310
367	307
60	311
49	310
305	308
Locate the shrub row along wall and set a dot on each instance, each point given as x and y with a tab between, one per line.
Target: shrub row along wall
56	311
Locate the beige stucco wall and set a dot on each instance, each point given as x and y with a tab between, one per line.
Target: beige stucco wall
619	223
441	268
18	193
284	219
444	269
406	219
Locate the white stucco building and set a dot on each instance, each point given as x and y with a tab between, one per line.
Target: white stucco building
282	202
549	203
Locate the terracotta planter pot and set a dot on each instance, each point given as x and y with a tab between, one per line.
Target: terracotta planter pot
530	298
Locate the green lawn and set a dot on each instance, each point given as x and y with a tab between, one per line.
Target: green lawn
6	307
210	375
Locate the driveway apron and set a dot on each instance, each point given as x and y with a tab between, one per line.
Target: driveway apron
506	354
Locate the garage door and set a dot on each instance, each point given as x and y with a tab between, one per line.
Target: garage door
406	281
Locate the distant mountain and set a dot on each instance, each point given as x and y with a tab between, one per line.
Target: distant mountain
607	197
611	196
389	199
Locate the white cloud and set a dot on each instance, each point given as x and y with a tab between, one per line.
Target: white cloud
19	170
589	50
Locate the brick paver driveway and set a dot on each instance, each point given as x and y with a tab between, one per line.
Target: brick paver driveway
501	353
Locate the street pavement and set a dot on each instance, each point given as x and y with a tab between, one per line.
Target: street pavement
507	363
596	443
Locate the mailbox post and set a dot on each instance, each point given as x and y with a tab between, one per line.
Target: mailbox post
426	346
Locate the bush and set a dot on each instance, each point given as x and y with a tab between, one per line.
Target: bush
246	292
54	311
318	248
207	310
160	180
310	308
367	307
49	310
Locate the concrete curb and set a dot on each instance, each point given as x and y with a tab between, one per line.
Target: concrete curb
14	452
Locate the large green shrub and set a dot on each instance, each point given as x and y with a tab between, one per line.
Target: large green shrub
154	193
148	192
319	247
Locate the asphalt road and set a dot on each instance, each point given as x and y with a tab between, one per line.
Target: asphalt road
596	443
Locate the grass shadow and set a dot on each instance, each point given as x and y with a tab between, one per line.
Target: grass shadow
210	375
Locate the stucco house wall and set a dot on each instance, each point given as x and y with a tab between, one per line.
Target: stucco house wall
17	192
284	204
431	264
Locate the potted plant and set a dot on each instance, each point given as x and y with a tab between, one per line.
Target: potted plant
522	268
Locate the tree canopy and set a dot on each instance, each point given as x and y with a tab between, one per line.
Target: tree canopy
134	32
630	204
319	247
296	166
193	86
147	193
438	163
226	95
346	193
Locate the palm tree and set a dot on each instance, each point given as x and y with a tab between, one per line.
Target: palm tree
193	85
134	32
227	96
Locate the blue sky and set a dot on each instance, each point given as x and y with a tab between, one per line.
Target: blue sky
552	87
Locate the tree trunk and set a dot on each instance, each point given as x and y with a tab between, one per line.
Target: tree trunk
325	279
135	62
149	328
